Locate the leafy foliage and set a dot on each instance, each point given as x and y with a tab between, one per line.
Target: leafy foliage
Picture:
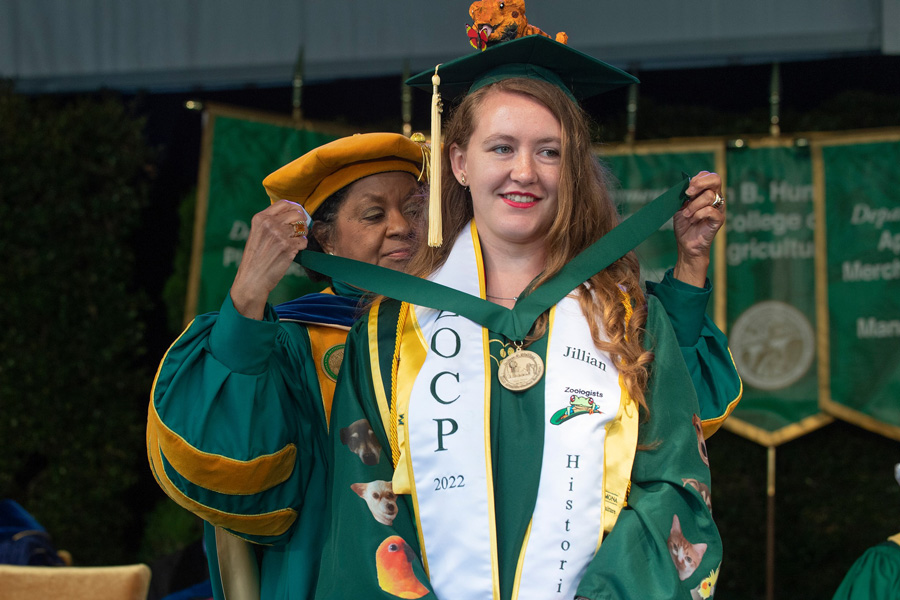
169	529
73	181
174	291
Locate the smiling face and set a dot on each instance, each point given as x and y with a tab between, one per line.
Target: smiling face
511	165
378	221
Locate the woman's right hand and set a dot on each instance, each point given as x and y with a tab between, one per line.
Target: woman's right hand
696	224
269	251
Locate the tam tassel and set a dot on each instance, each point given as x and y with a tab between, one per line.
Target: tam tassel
435	222
425	173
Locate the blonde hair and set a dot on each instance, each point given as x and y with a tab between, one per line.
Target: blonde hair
585	213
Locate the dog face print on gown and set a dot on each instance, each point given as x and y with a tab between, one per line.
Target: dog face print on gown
361	440
380	497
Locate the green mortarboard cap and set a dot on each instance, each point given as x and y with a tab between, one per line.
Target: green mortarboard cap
532	57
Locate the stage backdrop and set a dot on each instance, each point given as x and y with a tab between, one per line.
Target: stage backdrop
813	328
806	275
858	272
239	149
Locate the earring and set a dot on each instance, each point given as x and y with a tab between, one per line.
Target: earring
462	179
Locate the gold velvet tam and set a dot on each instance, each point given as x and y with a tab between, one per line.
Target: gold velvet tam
312	178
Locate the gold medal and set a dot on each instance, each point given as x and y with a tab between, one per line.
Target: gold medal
520	370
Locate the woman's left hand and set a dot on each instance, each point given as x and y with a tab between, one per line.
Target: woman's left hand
696	225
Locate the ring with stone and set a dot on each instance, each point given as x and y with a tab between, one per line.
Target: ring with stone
718	202
300	229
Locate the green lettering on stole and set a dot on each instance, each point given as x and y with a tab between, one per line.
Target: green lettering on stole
440	432
434	381
434	345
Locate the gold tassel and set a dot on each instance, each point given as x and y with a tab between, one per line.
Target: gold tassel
425	173
435	225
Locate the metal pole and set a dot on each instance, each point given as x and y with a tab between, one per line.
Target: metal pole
297	87
632	108
770	528
775	101
406	101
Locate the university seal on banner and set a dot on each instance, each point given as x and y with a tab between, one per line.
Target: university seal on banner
773	345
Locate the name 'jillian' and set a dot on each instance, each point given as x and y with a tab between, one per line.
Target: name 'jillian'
584	356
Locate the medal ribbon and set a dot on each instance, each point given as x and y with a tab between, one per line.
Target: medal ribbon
514	323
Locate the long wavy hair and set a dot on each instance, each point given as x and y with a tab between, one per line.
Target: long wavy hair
585	213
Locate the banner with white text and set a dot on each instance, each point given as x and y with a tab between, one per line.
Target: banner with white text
644	172
240	149
859	270
771	308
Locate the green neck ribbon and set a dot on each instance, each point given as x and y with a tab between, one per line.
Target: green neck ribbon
514	323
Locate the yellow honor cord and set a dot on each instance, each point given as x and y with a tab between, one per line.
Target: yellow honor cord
435	225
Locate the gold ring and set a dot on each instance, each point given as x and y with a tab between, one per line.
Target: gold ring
300	229
718	202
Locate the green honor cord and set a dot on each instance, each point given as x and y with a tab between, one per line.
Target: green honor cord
514	323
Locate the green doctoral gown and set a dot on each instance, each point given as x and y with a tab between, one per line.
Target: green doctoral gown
237	433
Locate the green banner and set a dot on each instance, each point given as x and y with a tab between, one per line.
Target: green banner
771	308
644	176
242	152
862	234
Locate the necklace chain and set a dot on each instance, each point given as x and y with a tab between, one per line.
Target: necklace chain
501	297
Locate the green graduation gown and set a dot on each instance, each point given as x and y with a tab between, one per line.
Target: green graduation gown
237	428
875	575
669	475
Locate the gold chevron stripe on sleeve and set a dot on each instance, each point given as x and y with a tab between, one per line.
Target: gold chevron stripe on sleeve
219	473
265	524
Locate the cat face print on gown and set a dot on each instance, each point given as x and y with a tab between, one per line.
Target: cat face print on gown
685	555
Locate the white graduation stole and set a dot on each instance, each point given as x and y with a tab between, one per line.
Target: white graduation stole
566	527
446	428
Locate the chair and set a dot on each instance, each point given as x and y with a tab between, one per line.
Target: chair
128	582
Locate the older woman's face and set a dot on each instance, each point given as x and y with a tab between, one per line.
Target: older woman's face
512	166
378	221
